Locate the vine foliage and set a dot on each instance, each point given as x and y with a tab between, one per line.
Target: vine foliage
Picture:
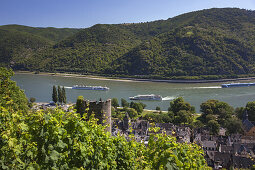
55	139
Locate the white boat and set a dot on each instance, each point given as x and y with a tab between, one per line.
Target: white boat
82	87
146	97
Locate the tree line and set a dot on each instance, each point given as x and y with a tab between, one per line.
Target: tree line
214	114
59	95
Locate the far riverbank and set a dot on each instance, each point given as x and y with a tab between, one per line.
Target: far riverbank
134	79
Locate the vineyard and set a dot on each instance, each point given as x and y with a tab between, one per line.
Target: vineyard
55	139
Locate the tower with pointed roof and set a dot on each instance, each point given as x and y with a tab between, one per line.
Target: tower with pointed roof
248	126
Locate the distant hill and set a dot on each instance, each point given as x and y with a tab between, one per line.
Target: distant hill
207	42
52	34
19	42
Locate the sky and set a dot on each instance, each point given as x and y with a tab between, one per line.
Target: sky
86	13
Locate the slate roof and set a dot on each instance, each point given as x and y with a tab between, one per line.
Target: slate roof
242	162
140	124
226	149
224	158
166	126
209	144
242	149
247	125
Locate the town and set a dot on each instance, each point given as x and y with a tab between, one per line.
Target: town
220	150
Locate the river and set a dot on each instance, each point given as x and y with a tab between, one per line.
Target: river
40	87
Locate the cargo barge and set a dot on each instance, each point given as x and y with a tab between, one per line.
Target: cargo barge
237	85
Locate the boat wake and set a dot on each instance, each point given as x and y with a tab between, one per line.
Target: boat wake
210	87
168	98
207	87
68	87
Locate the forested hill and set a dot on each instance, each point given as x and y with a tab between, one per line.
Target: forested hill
206	42
17	42
52	34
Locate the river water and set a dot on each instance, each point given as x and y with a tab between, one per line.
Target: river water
40	87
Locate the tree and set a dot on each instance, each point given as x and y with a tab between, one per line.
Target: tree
239	111
115	102
179	104
132	113
63	95
170	115
198	124
213	127
183	116
234	126
210	117
222	110
137	106
250	107
60	95
32	99
182	111
11	97
54	94
131	105
143	105
80	105
124	103
158	108
157	118
208	107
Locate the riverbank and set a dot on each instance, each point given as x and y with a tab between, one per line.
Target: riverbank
134	79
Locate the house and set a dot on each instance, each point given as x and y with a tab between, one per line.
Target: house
140	127
209	145
242	162
167	128
183	134
222	160
248	126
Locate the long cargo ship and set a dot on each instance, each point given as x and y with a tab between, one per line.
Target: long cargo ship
82	87
237	85
146	97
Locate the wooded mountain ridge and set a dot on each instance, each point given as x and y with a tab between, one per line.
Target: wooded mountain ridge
213	42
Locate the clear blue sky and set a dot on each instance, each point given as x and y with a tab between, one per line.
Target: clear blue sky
85	13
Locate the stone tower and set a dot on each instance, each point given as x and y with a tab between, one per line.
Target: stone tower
102	111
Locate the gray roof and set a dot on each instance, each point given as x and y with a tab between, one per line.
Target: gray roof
242	162
247	125
226	149
209	144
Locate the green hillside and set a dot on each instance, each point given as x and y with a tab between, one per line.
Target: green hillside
189	51
52	34
15	45
92	50
18	43
206	42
